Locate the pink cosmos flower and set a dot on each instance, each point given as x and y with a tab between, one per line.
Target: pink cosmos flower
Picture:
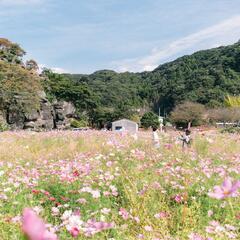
136	219
138	154
82	200
210	213
156	185
178	198
195	236
148	228
213	227
109	163
74	232
168	146
46	193
35	191
228	189
55	211
123	212
93	227
16	219
105	211
106	193
161	215
34	227
76	173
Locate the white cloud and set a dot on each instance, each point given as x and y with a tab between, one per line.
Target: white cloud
59	70
54	69
223	33
19	2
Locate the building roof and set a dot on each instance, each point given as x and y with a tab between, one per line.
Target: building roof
125	120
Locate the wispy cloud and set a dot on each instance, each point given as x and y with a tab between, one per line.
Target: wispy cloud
223	33
54	69
59	70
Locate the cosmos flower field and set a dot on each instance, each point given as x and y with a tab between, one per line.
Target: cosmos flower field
101	185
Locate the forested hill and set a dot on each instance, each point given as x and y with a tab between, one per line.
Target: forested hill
205	77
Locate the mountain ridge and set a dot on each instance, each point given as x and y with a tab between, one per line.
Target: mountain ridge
216	71
205	77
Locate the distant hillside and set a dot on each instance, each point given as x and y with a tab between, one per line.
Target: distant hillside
205	77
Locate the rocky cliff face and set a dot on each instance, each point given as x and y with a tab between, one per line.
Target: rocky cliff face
49	116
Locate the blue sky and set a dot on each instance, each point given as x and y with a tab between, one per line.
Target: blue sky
82	36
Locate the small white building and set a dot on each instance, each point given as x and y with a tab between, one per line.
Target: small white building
125	125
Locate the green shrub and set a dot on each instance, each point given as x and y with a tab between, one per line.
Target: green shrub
79	123
231	130
150	119
3	127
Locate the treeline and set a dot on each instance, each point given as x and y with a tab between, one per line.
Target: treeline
205	77
100	97
20	83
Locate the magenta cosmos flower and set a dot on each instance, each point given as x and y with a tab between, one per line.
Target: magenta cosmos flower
34	227
228	189
123	212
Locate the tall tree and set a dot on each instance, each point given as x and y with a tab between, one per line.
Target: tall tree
32	65
18	86
188	113
11	52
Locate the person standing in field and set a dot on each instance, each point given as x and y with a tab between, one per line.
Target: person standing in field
186	138
161	127
135	136
156	142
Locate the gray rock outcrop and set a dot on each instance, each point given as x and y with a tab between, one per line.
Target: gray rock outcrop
63	112
49	116
2	117
15	118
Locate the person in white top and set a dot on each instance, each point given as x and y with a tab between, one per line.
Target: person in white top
161	127
186	139
156	142
135	136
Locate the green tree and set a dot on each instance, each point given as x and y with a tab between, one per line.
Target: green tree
11	52
188	114
224	114
32	65
150	119
232	101
135	118
101	116
19	87
58	86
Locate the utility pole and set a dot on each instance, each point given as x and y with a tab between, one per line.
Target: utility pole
160	120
